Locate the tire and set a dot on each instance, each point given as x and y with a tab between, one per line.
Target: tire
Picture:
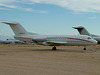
84	49
54	48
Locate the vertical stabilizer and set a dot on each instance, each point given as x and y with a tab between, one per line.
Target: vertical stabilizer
17	28
82	30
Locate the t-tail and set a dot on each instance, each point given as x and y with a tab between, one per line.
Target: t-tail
17	28
82	30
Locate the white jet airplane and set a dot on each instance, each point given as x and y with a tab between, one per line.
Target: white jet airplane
51	40
82	30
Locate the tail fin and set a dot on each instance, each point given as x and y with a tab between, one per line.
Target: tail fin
17	28
82	30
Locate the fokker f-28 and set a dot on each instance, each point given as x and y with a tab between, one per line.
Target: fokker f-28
51	40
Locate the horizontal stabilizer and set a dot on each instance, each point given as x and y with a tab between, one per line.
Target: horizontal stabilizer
10	23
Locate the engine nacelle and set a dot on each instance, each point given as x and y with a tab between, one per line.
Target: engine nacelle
46	44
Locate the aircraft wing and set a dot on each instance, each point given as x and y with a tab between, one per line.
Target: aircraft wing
56	42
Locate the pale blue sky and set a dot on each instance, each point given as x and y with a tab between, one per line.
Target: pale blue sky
50	16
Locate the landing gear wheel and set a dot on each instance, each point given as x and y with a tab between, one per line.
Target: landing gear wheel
54	48
84	49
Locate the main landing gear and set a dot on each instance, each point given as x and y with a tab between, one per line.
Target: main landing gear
84	48
54	48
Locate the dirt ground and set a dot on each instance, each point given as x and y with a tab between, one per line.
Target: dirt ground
41	60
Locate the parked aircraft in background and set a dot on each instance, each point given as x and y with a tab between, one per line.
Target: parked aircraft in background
10	41
0	41
83	31
51	40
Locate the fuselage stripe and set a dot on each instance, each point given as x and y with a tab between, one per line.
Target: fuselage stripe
57	38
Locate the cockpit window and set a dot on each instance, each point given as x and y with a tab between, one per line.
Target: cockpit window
89	38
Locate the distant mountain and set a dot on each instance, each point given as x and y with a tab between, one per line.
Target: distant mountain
6	37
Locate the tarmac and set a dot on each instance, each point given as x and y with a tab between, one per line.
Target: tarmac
41	60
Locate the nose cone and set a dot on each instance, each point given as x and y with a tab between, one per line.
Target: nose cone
95	42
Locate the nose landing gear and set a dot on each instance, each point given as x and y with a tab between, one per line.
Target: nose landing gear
84	48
